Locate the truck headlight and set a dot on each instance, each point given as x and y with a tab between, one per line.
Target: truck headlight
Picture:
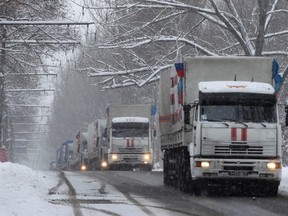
203	164
146	156
83	167
273	165
104	164
114	157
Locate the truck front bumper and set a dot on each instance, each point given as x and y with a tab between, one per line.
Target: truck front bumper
236	169
130	159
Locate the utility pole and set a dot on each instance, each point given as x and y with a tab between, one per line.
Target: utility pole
5	40
2	84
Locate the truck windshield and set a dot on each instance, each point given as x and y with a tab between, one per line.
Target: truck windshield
244	113
239	107
130	129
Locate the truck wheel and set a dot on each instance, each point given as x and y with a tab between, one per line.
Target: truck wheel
272	190
166	176
183	182
165	170
195	188
184	175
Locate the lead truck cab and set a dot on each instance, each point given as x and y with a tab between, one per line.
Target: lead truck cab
130	137
236	131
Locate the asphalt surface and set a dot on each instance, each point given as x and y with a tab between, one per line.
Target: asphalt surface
143	193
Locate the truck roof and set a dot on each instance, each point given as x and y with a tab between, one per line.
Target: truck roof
130	119
235	86
225	68
133	111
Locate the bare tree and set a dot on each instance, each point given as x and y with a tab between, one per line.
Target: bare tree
143	37
30	32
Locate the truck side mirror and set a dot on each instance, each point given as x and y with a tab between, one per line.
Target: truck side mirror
105	133
186	109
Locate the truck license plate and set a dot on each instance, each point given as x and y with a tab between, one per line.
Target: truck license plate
238	173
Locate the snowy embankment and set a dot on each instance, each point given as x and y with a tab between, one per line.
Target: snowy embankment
25	192
283	188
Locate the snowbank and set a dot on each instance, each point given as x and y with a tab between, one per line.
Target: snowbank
24	192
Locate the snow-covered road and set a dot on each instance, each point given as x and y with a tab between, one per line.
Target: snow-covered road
26	192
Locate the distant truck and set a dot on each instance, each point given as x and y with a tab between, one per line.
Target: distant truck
220	134
79	158
63	156
97	145
130	135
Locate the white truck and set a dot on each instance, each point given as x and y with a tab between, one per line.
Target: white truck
129	133
79	158
97	145
220	134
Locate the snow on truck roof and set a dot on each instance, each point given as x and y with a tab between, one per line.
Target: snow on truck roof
236	86
130	119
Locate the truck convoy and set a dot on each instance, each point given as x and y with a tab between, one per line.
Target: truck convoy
88	150
130	135
220	134
123	140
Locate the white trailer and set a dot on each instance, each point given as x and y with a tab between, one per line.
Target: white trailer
219	124
130	134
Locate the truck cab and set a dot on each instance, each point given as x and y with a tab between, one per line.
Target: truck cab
236	135
130	143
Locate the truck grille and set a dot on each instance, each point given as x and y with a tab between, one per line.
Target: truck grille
238	150
130	150
239	142
228	149
130	160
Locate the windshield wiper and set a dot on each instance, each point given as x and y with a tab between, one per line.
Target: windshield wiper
235	120
261	123
217	120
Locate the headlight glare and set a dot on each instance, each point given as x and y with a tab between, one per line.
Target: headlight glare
83	167
104	164
146	156
205	164
273	165
114	157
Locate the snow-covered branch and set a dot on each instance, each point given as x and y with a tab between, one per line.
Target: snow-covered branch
42	42
108	72
138	42
155	32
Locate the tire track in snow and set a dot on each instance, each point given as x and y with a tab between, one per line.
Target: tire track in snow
72	196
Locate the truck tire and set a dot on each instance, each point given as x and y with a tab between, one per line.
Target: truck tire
184	173
169	179
165	168
272	190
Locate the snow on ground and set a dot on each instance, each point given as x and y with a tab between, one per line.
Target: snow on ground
25	192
